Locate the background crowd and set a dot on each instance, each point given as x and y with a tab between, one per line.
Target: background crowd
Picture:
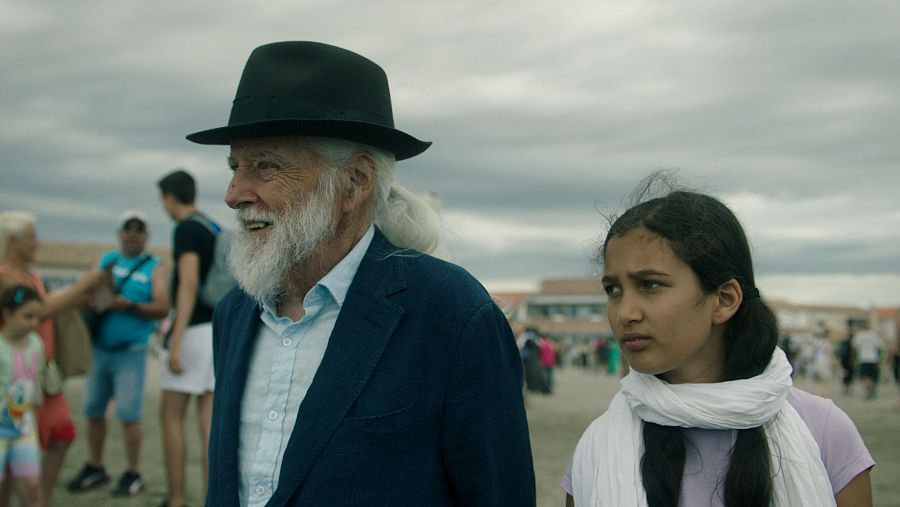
111	312
860	356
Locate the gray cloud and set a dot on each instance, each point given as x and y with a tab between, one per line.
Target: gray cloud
539	113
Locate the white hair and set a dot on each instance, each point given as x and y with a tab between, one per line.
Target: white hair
406	219
13	224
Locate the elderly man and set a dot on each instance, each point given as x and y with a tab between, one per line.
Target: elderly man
351	368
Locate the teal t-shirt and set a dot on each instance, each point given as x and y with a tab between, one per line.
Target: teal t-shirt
120	330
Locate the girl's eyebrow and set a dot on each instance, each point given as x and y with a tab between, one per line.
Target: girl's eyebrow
643	273
635	275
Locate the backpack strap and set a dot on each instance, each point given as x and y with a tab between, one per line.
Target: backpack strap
202	219
136	267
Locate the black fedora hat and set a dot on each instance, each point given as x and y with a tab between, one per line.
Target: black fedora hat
313	89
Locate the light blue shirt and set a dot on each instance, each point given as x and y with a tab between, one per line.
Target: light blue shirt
284	361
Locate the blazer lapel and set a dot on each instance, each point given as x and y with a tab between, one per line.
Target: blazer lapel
363	328
230	385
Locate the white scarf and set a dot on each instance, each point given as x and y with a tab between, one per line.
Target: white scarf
606	467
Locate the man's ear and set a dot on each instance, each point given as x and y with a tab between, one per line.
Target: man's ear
360	172
728	300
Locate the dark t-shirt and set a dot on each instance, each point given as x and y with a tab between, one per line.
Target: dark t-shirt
192	236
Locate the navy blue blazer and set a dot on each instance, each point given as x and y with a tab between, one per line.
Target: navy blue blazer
417	401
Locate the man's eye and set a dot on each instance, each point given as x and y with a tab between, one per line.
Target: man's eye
650	284
611	290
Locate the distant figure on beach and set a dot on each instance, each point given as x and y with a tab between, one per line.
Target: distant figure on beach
868	346
707	414
614	361
894	360
548	360
18	247
187	358
789	347
847	358
119	351
824	365
535	377
21	393
601	353
352	367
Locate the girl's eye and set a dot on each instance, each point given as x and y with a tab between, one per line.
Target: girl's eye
650	284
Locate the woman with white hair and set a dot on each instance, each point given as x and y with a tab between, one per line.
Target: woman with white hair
18	245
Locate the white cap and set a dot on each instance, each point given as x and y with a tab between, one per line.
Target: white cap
133	214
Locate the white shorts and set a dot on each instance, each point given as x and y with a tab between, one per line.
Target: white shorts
196	363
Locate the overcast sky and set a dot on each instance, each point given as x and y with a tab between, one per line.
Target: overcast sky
541	113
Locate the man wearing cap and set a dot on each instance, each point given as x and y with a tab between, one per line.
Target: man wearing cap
352	367
120	351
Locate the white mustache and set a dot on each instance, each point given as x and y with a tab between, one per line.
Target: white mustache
254	215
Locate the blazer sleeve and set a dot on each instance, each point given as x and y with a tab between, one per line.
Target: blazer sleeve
484	438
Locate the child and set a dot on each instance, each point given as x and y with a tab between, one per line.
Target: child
707	415
21	364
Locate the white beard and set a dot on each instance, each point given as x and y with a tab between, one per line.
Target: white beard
261	263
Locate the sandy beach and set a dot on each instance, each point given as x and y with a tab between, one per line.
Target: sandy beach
556	423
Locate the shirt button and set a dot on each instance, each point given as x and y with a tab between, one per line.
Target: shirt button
272	416
286	342
260	490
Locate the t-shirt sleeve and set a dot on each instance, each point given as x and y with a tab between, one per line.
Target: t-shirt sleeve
188	238
106	259
843	451
566	482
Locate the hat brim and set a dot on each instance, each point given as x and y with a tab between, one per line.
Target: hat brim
401	144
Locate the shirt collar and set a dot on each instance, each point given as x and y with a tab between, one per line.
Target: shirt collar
337	281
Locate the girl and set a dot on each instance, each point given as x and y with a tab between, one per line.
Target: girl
707	415
21	363
18	250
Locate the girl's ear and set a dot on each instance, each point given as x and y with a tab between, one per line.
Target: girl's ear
728	300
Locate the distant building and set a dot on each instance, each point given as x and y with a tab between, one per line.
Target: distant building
572	308
575	308
887	323
801	319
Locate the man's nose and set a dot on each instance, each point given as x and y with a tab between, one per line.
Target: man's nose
240	189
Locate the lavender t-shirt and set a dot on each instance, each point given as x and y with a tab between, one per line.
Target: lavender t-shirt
843	452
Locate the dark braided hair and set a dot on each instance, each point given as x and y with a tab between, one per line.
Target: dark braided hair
707	236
